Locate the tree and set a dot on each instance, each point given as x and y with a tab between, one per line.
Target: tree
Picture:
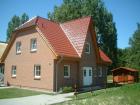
24	18
134	53
105	27
15	22
130	57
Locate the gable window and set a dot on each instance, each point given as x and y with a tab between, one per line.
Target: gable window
66	71
18	47
13	71
87	48
100	72
37	71
33	45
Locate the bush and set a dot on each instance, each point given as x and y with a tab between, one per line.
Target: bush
67	89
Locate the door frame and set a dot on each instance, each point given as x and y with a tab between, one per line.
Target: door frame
87	69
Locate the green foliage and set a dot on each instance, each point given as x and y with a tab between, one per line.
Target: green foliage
67	89
105	27
14	23
130	57
24	18
134	53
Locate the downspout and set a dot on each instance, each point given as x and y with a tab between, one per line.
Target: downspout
56	73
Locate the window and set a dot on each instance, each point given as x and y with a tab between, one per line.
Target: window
33	45
13	71
100	71
90	73
18	47
37	71
84	73
2	69
66	71
87	48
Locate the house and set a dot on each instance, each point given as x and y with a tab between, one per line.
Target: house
125	75
2	48
47	55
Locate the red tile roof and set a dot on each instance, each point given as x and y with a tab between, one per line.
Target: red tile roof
104	57
76	31
66	39
125	68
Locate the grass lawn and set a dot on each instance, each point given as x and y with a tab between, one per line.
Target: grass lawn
16	92
124	95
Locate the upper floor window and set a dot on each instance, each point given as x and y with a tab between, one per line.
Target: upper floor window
33	44
37	71
66	71
13	71
18	47
87	48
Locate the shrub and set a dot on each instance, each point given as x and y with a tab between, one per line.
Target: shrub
67	89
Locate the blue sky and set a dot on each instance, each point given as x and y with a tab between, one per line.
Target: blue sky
126	14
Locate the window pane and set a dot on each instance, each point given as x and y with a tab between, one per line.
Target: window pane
37	70
66	70
84	73
90	73
33	44
87	48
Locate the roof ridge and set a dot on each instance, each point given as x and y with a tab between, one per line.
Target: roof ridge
80	18
69	39
26	22
48	20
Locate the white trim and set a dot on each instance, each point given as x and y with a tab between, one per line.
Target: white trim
33	49
14	68
18	47
35	70
68	71
26	22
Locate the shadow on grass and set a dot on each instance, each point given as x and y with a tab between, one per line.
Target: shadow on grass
111	85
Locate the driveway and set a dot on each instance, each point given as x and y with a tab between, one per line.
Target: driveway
37	100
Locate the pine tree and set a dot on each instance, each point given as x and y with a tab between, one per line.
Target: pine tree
15	22
24	18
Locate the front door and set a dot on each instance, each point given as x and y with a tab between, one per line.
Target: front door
87	76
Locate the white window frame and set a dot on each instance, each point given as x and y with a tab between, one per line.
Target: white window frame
18	47
14	71
33	49
36	76
68	76
100	72
88	52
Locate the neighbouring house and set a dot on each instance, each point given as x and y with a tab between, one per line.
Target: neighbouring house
2	48
47	55
125	75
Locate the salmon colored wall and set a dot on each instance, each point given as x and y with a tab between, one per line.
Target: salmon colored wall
26	60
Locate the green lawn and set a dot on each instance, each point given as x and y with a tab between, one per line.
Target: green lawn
16	92
124	95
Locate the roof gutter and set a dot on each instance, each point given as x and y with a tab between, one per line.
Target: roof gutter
56	72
